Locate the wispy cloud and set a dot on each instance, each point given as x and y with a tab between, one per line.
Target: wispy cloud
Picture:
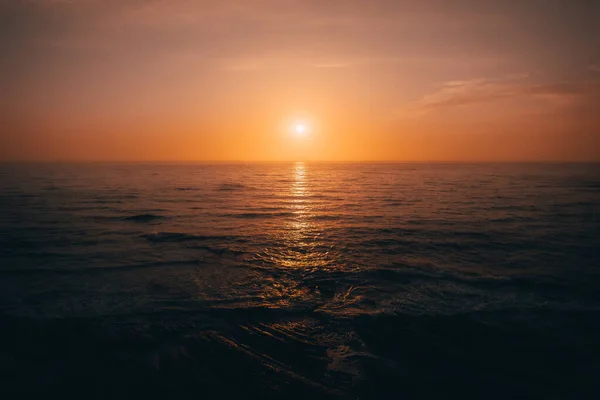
225	28
333	64
243	65
484	90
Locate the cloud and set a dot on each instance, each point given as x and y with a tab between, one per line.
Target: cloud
351	28
459	93
333	64
243	65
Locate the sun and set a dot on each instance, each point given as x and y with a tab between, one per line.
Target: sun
300	129
300	126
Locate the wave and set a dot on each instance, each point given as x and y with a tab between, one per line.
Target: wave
180	237
231	187
260	215
326	217
78	271
143	218
426	274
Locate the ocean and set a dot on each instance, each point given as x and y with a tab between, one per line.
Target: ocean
300	280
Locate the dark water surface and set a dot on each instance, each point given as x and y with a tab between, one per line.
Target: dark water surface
300	280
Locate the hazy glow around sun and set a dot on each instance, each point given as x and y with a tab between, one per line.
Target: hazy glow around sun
301	126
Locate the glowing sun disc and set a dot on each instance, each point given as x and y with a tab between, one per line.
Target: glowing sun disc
300	128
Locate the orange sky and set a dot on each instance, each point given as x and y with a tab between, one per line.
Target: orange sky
181	80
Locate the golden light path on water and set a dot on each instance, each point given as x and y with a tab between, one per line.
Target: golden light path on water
301	234
300	203
294	255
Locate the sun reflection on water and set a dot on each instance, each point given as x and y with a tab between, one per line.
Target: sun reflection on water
299	231
300	202
301	262
293	256
297	266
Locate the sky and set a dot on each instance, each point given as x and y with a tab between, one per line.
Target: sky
389	80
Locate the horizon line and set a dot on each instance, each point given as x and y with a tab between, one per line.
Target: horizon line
299	161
